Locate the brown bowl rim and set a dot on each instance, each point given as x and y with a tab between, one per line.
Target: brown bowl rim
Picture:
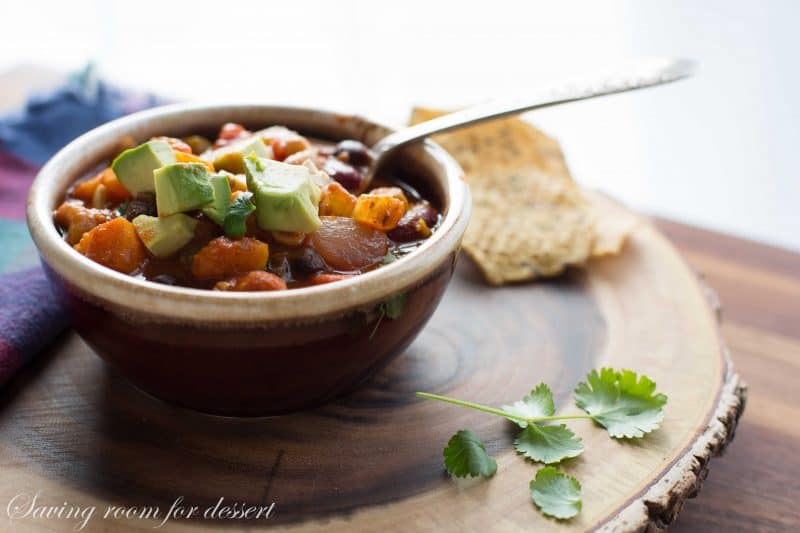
188	304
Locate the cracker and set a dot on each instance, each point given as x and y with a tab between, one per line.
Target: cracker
613	225
529	219
508	143
517	237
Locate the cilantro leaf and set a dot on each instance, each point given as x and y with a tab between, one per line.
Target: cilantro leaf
393	306
465	455
622	402
556	494
534	405
123	208
548	444
237	213
389	258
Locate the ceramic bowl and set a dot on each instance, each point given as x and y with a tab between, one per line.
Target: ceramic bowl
248	354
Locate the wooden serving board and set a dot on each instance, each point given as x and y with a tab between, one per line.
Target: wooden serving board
76	432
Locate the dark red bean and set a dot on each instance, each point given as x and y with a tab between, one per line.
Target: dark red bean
345	174
309	261
164	279
143	204
279	265
406	230
353	152
427	213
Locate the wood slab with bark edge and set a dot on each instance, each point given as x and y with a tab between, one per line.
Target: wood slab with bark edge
74	430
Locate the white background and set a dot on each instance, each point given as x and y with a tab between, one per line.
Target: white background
721	150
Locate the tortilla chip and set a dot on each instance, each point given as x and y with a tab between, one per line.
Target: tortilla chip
529	219
613	225
516	236
507	143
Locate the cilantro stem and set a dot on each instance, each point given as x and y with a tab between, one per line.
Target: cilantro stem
463	403
499	412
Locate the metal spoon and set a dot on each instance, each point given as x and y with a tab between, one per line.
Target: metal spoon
645	74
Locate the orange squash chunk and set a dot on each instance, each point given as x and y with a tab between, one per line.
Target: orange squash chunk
177	145
225	258
183	157
286	144
379	212
85	189
335	201
115	191
236	183
321	278
77	219
258	280
114	244
394	192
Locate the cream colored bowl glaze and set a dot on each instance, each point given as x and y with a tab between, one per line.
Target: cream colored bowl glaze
151	332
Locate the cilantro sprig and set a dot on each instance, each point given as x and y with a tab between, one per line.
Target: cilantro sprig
626	406
465	455
624	403
235	222
556	494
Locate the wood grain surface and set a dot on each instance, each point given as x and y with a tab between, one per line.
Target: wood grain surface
754	487
77	432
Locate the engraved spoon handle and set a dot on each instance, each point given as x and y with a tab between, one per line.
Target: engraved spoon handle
645	74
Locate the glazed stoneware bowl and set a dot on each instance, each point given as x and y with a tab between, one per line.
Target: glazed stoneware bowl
260	353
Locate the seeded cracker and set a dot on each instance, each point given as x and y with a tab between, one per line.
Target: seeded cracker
530	219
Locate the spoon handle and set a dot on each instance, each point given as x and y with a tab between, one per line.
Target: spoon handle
646	74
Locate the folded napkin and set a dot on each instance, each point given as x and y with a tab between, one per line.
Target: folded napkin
30	314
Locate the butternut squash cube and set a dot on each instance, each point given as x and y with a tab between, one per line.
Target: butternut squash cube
335	201
379	212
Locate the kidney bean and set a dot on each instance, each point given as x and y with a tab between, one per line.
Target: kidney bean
406	230
164	279
279	265
347	175
308	262
353	152
141	205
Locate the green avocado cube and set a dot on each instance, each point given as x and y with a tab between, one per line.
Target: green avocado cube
164	236
222	199
182	187
231	157
286	197
135	167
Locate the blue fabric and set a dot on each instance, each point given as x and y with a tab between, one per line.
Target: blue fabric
19	251
48	122
31	314
30	318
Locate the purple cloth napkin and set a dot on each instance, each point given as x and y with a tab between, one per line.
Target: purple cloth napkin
30	314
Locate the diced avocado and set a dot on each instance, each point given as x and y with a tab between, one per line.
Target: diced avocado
286	197
230	157
182	187
164	236
222	199
135	167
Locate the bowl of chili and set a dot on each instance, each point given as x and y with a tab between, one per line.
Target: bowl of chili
304	309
